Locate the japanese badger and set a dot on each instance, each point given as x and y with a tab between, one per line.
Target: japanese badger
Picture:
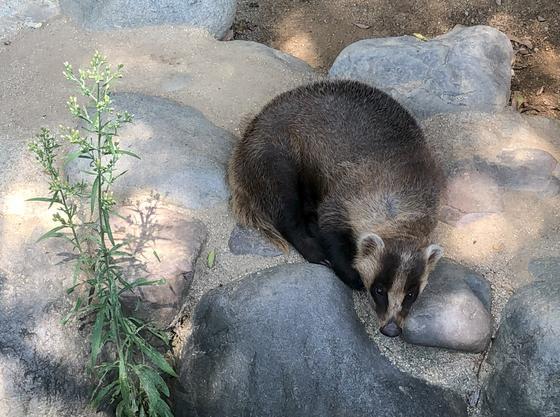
342	172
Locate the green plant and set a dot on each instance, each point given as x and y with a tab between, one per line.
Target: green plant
125	365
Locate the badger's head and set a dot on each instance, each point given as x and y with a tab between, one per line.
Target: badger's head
394	272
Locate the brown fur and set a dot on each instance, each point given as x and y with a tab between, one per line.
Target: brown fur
363	160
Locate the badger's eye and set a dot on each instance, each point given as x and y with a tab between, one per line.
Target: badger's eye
411	294
380	290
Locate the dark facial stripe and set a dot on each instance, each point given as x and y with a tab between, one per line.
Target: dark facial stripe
415	274
412	286
383	281
389	265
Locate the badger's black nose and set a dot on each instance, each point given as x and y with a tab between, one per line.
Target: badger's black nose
391	329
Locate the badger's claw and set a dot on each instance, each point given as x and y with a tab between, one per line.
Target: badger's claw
326	262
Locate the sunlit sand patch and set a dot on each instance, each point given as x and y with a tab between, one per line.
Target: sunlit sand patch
302	46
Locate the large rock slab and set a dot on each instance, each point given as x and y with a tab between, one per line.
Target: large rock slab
453	312
468	68
525	357
488	156
216	16
287	342
42	362
183	155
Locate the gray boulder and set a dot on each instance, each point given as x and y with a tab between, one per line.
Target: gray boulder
183	155
216	16
468	68
525	357
286	342
453	312
248	241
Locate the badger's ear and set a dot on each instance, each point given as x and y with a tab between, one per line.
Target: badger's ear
370	244
433	254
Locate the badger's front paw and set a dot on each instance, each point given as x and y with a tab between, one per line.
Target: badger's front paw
312	251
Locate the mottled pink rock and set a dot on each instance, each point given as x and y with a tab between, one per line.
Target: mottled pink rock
474	192
165	245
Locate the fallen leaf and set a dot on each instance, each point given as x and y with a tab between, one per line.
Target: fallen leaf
521	41
211	259
541	19
362	26
157	256
517	100
420	37
540	91
498	247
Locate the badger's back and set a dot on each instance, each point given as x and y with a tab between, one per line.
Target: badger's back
351	144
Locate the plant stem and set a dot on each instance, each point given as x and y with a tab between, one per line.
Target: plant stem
71	223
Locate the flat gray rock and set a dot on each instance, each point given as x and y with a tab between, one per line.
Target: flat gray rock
468	68
286	342
183	155
17	14
247	241
453	312
165	245
525	357
216	16
525	169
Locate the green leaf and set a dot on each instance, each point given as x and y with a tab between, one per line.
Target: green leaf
52	233
123	382
129	153
157	358
44	199
152	384
108	226
72	156
97	336
94	193
156	380
99	395
421	37
211	259
143	282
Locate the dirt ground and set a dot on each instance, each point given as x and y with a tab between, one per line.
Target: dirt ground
317	30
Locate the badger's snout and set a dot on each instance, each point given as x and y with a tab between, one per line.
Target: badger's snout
391	329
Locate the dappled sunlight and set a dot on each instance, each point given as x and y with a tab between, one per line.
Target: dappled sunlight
478	241
299	43
302	46
139	131
21	219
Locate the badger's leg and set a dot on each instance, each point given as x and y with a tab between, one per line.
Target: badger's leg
291	225
291	220
340	249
